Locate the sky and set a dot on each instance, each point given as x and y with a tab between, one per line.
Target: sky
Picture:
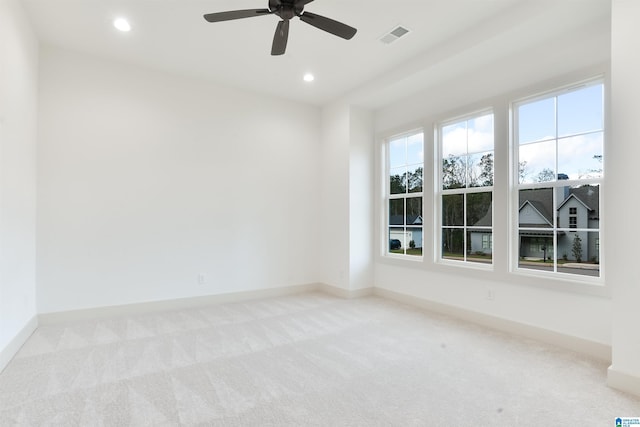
406	153
562	133
577	137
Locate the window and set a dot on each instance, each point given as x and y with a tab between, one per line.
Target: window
559	145
405	175
487	241
466	189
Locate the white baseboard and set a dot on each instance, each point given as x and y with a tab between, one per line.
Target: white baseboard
593	349
345	293
623	381
171	305
11	349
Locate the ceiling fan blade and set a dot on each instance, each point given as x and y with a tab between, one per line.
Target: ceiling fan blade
235	14
280	38
329	25
302	2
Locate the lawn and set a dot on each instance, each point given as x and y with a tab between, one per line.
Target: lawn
410	251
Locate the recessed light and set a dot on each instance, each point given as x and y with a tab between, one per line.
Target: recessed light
122	24
309	77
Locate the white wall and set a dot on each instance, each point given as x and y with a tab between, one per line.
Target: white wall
18	115
146	181
581	311
621	162
347	197
361	198
334	224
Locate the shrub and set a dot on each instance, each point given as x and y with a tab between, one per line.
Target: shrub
576	250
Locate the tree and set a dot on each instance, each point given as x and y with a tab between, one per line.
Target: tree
576	249
397	184
486	167
593	173
453	172
414	180
522	170
545	175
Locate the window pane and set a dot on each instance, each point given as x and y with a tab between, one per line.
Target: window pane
396	212
398	180
580	254
538	162
579	205
481	170
454	171
453	210
480	134
396	239
536	250
480	244
414	238
406	176
454	140
580	157
415	149
397	152
537	121
536	208
580	111
479	212
414	211
453	243
415	179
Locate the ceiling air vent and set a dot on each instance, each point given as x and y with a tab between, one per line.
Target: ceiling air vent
394	34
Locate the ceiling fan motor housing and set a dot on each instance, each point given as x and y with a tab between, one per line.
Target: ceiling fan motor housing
286	9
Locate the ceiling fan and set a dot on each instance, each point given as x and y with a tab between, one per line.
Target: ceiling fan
286	9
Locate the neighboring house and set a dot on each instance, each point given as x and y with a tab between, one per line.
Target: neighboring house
578	208
411	233
481	240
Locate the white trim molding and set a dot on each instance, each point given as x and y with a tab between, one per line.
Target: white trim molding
12	348
623	381
594	349
345	293
171	305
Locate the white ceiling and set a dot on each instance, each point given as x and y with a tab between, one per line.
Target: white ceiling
172	36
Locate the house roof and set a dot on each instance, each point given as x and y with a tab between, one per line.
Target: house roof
399	220
542	209
486	220
542	201
588	195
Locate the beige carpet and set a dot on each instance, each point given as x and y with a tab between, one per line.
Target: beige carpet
305	360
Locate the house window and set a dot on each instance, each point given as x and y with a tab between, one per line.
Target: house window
573	217
466	189
559	144
487	241
404	188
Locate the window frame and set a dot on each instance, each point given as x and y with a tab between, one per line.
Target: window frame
504	221
440	192
556	183
388	196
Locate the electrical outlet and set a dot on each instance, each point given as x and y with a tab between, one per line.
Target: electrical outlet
491	295
202	279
